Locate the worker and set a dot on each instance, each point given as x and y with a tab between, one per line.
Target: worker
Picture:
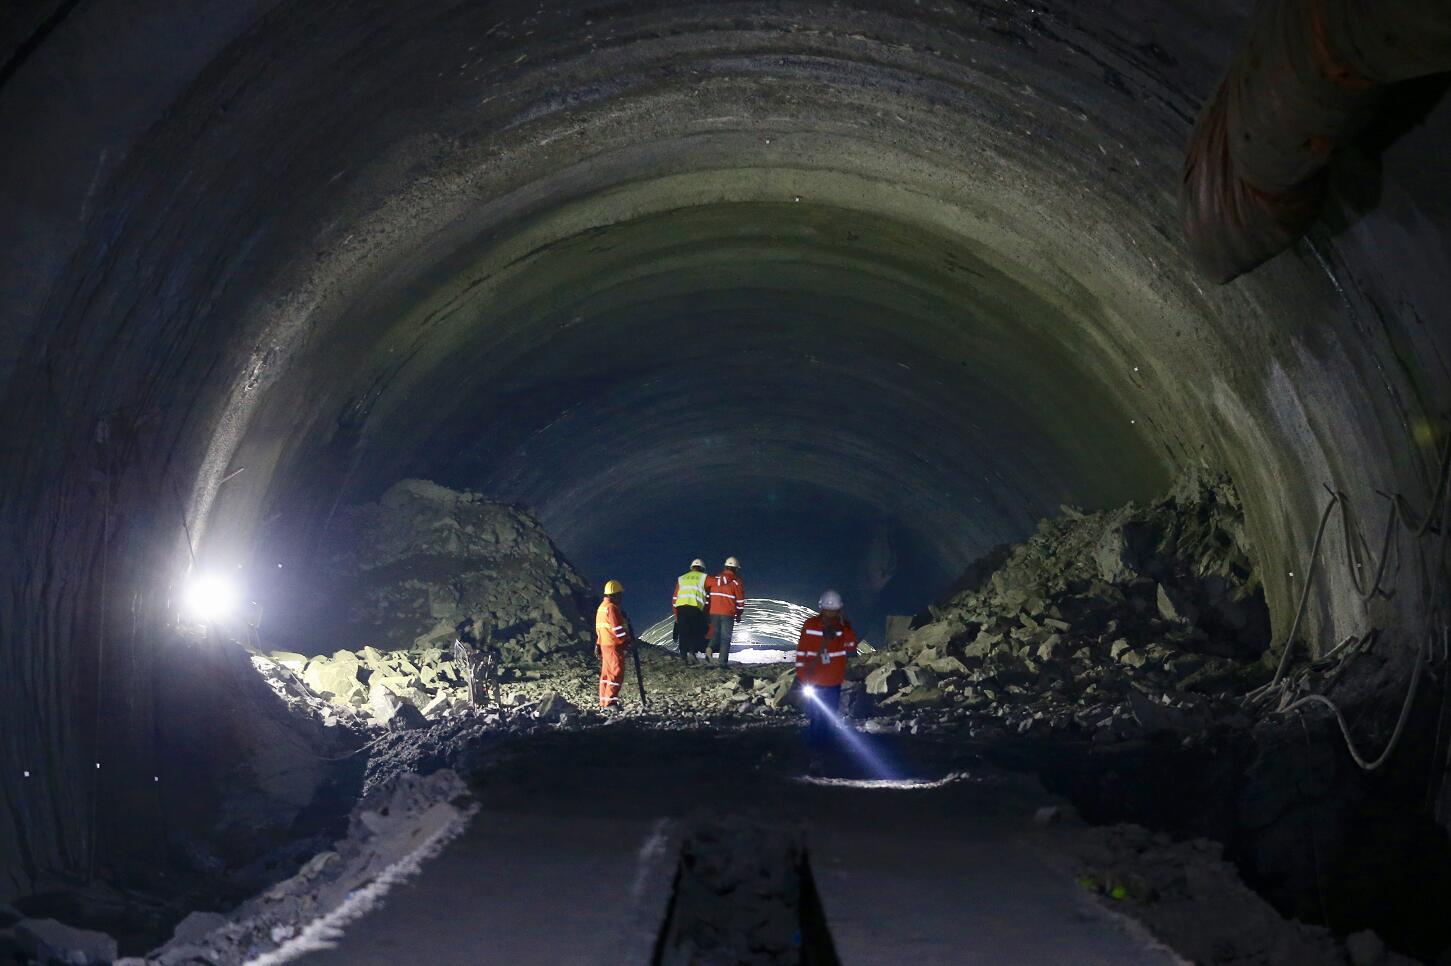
689	606
827	641
727	596
612	638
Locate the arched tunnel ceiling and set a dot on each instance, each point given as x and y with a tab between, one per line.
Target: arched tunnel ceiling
281	261
932	232
360	229
641	368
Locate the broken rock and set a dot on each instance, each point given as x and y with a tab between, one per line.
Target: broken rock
1365	948
938	634
553	706
915	698
331	678
197	926
50	941
886	680
289	659
1174	607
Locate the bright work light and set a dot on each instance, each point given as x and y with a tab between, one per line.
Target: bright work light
209	598
808	690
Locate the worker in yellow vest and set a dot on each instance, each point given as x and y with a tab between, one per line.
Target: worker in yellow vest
689	605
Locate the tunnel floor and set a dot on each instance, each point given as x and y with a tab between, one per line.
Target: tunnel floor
567	860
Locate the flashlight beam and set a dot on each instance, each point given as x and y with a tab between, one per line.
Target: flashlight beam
854	741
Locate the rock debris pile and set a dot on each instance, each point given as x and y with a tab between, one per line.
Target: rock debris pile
374	688
401	574
403	571
404	690
1107	625
1112	624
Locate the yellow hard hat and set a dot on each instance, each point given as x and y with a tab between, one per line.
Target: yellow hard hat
614	587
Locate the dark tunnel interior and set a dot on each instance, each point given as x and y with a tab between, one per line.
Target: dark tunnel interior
832	397
857	292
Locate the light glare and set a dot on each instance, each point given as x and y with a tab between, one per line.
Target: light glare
852	741
209	598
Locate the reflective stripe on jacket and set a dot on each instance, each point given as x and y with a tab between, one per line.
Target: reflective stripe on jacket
821	652
611	625
690	590
727	594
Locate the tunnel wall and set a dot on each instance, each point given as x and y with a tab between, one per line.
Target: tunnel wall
332	203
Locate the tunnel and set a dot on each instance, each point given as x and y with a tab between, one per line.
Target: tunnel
856	291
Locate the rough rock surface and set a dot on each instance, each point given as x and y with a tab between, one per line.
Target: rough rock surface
388	828
738	895
373	688
1169	885
1113	625
405	570
49	941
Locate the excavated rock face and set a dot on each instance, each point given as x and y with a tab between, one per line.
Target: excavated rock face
1175	574
406	569
1125	622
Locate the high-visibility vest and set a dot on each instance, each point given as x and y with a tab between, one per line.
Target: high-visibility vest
690	589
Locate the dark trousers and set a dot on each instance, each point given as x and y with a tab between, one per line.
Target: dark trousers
690	625
722	628
820	708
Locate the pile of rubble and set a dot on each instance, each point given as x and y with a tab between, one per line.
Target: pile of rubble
407	689
406	569
391	689
1113	624
1110	625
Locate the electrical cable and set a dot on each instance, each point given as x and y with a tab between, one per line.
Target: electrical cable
1357	551
1261	691
1420	529
1433	588
1345	729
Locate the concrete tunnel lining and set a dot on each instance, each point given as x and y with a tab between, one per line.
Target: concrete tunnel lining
815	346
240	289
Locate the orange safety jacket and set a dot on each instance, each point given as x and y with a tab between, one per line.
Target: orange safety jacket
612	627
821	652
727	594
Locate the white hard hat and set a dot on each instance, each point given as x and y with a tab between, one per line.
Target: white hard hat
733	563
830	600
697	562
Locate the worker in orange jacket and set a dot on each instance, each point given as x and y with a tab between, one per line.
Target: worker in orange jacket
826	642
612	637
727	596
